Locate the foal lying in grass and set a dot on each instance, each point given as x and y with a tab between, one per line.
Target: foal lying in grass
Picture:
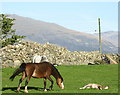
93	85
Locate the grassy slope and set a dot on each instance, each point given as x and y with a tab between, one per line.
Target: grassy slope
74	78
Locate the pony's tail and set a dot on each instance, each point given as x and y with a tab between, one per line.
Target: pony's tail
18	71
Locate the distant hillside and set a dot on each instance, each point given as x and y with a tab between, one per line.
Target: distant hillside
111	36
43	32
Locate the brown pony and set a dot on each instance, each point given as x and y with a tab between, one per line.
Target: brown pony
38	70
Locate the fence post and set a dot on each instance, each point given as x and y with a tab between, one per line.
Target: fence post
100	40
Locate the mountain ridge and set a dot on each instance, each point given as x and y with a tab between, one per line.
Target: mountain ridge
42	32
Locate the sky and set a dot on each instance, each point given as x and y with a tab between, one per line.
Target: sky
79	16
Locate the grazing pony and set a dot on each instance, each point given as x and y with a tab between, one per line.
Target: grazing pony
38	70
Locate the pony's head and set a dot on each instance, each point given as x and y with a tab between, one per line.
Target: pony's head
106	87
60	83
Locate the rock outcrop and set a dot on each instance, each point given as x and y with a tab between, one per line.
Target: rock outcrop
14	55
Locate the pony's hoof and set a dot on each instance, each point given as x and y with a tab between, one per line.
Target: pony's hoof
26	91
17	91
50	89
45	89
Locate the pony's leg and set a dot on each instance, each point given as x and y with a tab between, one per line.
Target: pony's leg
45	84
51	86
26	84
20	81
100	88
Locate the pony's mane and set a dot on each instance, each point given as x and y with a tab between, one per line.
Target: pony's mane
56	70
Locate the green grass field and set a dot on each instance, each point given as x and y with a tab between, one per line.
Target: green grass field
74	78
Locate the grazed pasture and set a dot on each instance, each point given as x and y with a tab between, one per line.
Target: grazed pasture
74	78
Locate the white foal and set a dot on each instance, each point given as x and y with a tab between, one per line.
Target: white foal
38	59
95	86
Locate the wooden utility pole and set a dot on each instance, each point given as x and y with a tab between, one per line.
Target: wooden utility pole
100	40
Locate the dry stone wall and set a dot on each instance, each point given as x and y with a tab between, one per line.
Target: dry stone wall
14	55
